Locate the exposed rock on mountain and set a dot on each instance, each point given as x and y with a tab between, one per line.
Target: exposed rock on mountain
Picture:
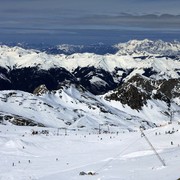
97	81
137	90
154	59
137	85
42	89
71	106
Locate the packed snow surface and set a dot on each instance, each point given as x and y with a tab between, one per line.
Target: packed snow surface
60	156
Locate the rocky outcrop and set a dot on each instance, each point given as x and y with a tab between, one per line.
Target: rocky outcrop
97	81
42	89
137	90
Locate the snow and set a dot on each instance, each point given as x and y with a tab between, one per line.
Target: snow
98	81
177	100
112	156
72	106
75	108
148	47
18	57
121	152
2	76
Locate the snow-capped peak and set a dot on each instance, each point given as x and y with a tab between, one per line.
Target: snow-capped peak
148	47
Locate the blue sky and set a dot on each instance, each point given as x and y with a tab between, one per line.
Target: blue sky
32	18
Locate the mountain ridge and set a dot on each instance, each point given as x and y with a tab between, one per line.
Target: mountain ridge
107	70
138	84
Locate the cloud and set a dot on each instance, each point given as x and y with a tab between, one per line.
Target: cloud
92	6
45	16
150	21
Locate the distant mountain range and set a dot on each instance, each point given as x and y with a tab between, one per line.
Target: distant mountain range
154	47
82	86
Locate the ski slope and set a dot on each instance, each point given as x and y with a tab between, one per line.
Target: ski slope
122	156
74	118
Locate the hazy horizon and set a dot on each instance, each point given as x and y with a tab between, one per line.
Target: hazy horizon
84	22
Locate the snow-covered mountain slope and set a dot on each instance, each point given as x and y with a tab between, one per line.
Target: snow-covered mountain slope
18	58
146	86
139	89
97	73
68	107
148	47
74	123
73	107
